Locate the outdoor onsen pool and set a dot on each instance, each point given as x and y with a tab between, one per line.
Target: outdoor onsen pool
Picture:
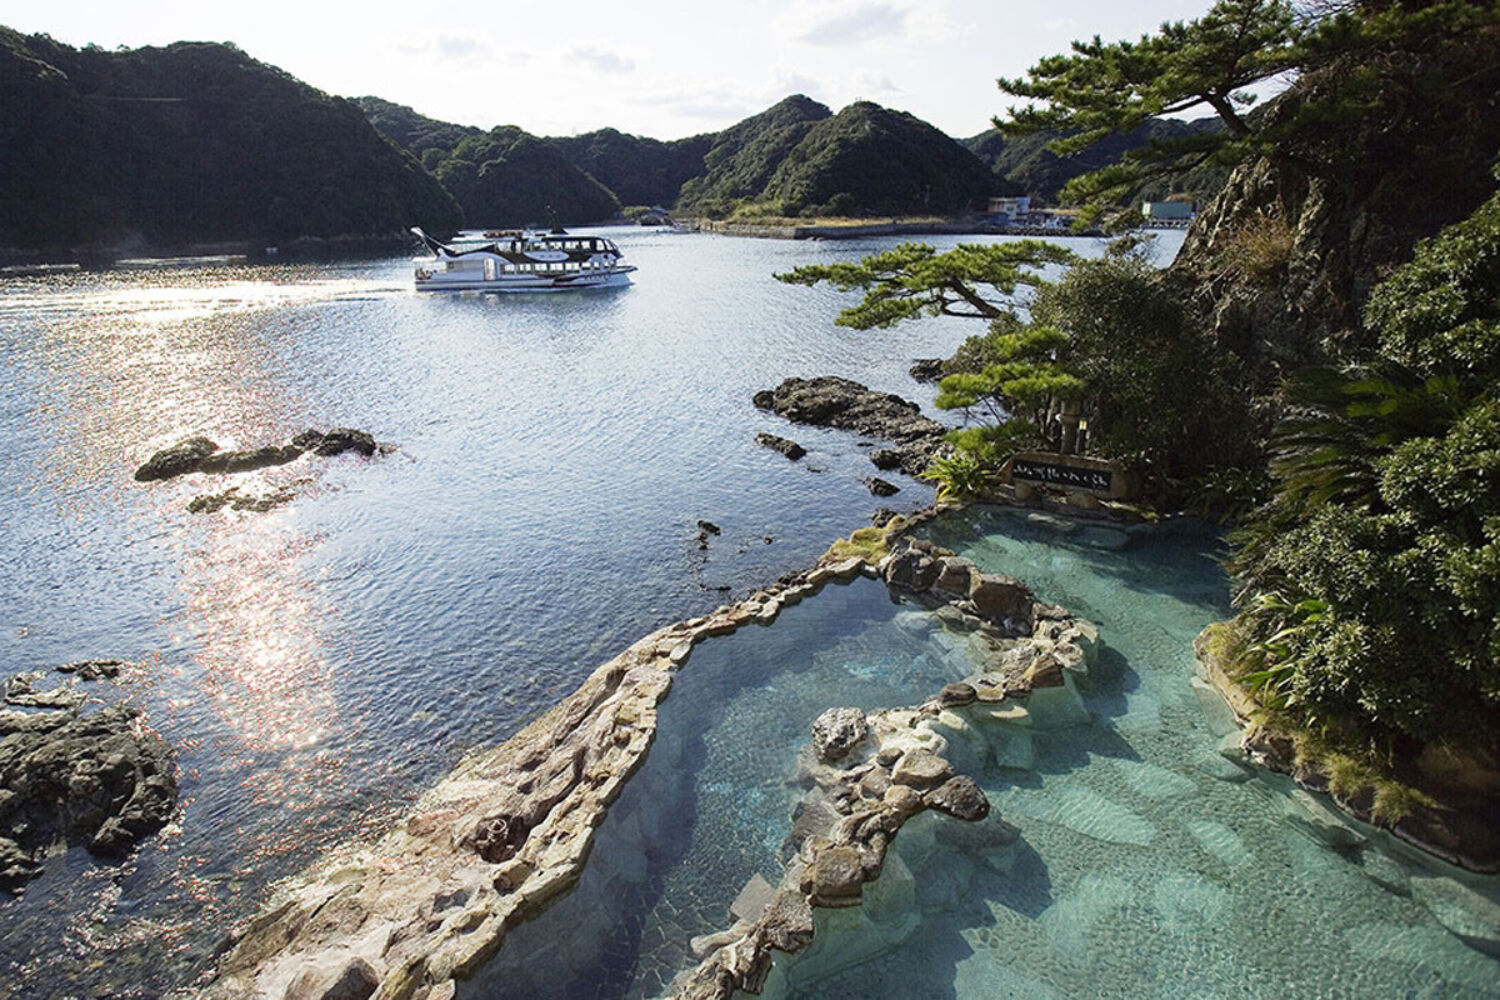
1145	865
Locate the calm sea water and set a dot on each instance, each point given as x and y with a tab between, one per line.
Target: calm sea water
317	665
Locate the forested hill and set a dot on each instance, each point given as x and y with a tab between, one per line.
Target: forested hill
509	177
871	159
638	170
428	139
190	143
1025	165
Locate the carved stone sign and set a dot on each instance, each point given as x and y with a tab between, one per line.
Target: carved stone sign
1096	480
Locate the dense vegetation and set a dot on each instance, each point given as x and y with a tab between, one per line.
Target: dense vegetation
639	171
867	159
1372	577
1307	364
428	139
1027	164
191	142
744	156
507	177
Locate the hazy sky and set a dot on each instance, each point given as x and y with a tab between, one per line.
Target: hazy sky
652	67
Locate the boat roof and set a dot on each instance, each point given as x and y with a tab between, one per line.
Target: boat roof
516	244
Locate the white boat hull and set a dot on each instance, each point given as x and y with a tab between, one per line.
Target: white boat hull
458	282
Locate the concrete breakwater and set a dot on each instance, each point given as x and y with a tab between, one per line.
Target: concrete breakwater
510	829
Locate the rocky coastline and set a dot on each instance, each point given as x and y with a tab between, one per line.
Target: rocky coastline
510	828
830	401
99	779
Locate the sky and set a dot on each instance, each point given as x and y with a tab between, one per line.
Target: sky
649	67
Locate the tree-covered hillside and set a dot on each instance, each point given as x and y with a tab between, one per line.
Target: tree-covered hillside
187	143
417	134
638	170
745	156
1026	166
868	159
508	177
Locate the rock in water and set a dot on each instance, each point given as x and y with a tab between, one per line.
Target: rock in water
880	487
181	458
837	731
99	780
790	449
837	402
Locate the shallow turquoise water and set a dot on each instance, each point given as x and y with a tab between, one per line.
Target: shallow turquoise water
1146	864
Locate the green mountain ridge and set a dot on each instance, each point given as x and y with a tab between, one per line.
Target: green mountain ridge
1027	167
509	177
193	142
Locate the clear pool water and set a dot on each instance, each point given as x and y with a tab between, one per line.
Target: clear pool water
1146	864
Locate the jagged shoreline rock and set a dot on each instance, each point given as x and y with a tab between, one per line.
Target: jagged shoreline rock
102	780
200	454
829	401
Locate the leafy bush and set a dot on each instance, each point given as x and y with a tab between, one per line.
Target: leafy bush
1387	511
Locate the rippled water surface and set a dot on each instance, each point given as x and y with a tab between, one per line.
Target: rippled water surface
318	664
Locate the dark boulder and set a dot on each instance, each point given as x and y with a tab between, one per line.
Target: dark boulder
177	460
790	449
959	797
102	780
926	369
879	487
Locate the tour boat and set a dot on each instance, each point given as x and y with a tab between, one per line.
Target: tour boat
521	262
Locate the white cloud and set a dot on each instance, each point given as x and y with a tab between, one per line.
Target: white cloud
452	47
602	60
859	24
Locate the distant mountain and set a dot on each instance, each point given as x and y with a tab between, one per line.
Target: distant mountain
413	132
744	156
508	177
871	160
639	171
1026	166
193	142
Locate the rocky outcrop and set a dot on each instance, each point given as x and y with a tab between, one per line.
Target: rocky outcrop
199	454
790	449
837	402
1284	258
101	780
